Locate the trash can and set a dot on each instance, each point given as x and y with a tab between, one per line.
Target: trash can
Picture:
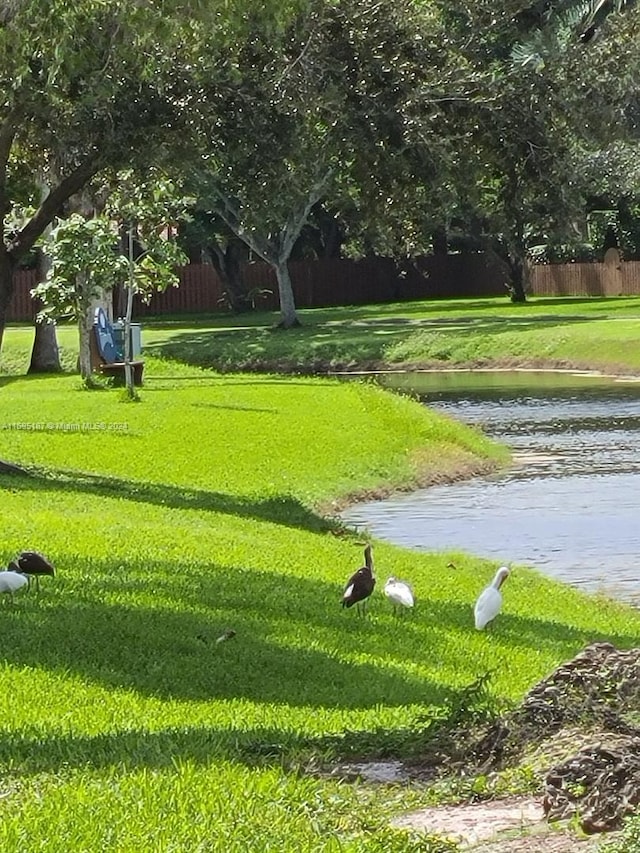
135	337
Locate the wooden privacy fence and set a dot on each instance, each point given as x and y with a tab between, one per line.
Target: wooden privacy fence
315	284
611	278
325	283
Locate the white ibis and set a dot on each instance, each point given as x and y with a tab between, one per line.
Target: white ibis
399	594
360	585
490	600
11	582
32	563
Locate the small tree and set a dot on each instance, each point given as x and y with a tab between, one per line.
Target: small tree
84	264
87	260
148	209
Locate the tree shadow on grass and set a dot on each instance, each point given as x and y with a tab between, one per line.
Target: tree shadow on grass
281	509
154	629
136	747
436	307
335	684
334	345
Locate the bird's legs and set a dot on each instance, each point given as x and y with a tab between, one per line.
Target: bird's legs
361	608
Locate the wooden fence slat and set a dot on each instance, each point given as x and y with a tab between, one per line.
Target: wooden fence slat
330	282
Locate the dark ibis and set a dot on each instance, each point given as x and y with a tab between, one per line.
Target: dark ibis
32	563
360	585
489	601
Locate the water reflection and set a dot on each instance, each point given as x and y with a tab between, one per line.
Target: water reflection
569	505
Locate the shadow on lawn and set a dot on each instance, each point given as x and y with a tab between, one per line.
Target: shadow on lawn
153	629
139	748
293	643
335	344
250	667
349	313
283	509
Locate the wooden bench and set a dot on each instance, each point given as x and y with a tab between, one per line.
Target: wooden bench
106	356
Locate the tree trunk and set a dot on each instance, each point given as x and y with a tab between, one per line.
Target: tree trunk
326	234
85	329
226	263
45	356
440	241
288	316
7	267
519	275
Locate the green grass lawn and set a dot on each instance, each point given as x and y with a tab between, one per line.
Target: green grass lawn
125	725
583	332
594	332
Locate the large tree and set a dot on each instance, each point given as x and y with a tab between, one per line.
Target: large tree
83	86
321	109
522	143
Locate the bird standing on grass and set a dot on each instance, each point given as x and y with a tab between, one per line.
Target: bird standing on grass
32	563
399	594
489	601
11	582
360	585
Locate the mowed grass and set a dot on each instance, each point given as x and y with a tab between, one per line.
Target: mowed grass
578	332
591	332
125	725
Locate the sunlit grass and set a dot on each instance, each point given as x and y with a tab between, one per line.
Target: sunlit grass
594	343
126	726
231	436
588	332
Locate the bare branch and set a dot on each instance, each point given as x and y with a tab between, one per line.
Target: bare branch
296	61
7	134
296	220
228	212
24	240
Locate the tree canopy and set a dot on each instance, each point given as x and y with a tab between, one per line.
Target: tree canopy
90	85
400	117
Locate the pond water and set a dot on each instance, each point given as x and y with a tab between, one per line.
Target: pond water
570	504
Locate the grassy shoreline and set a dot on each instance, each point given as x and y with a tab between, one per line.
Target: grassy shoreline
193	512
597	334
559	333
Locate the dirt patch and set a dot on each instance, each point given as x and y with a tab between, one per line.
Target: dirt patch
549	841
471	824
577	730
513	825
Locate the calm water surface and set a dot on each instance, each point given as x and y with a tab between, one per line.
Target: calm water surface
570	506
